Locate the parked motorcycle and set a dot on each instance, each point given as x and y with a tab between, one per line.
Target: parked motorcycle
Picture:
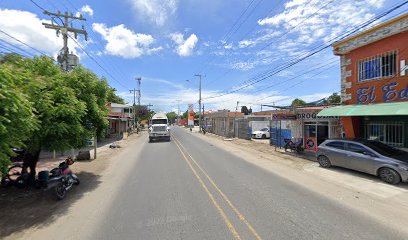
59	179
289	144
18	174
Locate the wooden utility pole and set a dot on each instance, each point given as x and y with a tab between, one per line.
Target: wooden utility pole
134	107
65	29
138	79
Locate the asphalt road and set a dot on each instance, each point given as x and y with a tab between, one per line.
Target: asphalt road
190	189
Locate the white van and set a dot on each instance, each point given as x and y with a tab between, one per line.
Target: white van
159	127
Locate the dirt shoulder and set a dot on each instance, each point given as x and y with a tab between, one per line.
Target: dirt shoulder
25	210
385	203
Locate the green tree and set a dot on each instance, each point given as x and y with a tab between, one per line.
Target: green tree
298	102
334	99
171	116
94	92
185	115
17	121
112	97
46	109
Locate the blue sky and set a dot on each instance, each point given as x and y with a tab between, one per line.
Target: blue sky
167	42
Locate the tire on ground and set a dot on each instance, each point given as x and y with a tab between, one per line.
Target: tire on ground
324	161
389	175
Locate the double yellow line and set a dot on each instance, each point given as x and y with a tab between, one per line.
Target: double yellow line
190	161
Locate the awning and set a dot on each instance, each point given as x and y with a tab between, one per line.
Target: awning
379	109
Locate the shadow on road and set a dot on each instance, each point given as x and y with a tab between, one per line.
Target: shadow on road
25	208
366	176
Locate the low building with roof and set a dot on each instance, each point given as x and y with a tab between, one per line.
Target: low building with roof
374	83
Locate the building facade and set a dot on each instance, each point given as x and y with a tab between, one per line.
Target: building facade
374	83
120	119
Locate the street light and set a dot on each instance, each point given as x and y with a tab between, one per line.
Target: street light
199	102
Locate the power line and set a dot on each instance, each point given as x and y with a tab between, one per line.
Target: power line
25	44
297	76
99	46
93	59
249	58
16	47
278	69
231	31
288	31
89	55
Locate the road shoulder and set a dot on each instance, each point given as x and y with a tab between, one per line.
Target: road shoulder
366	194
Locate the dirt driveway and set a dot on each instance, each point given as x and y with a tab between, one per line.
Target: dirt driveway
21	209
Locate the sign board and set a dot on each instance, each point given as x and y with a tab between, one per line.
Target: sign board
91	141
190	115
284	117
313	116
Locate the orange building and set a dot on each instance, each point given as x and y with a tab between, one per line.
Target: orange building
374	83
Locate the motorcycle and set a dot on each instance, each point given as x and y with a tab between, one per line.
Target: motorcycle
289	144
59	179
18	173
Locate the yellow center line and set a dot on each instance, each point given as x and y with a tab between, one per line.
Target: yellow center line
220	210
239	214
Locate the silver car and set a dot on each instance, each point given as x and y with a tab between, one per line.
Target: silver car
372	157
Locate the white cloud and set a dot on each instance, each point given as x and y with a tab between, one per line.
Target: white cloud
312	21
125	43
156	11
28	28
306	98
184	47
165	98
86	9
300	25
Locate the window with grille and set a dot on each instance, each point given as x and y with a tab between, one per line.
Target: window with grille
391	133
383	65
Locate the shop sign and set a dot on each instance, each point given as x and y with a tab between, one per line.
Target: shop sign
310	143
284	117
390	92
313	116
191	115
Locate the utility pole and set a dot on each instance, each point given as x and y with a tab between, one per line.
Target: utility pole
138	79
148	106
204	117
199	102
178	111
65	59
134	106
235	119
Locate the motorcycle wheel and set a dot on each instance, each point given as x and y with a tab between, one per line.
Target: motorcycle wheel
77	182
60	191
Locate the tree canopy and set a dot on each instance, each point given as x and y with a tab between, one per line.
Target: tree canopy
171	116
298	102
45	108
334	98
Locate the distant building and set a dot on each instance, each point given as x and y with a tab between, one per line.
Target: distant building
374	83
120	119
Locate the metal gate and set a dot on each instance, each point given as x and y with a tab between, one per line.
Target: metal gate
391	133
242	129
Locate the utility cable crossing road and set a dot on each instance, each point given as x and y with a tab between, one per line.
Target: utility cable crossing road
191	189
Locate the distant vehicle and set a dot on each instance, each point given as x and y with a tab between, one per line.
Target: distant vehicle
159	127
372	157
263	133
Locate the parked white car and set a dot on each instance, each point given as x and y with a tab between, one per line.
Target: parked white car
263	133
